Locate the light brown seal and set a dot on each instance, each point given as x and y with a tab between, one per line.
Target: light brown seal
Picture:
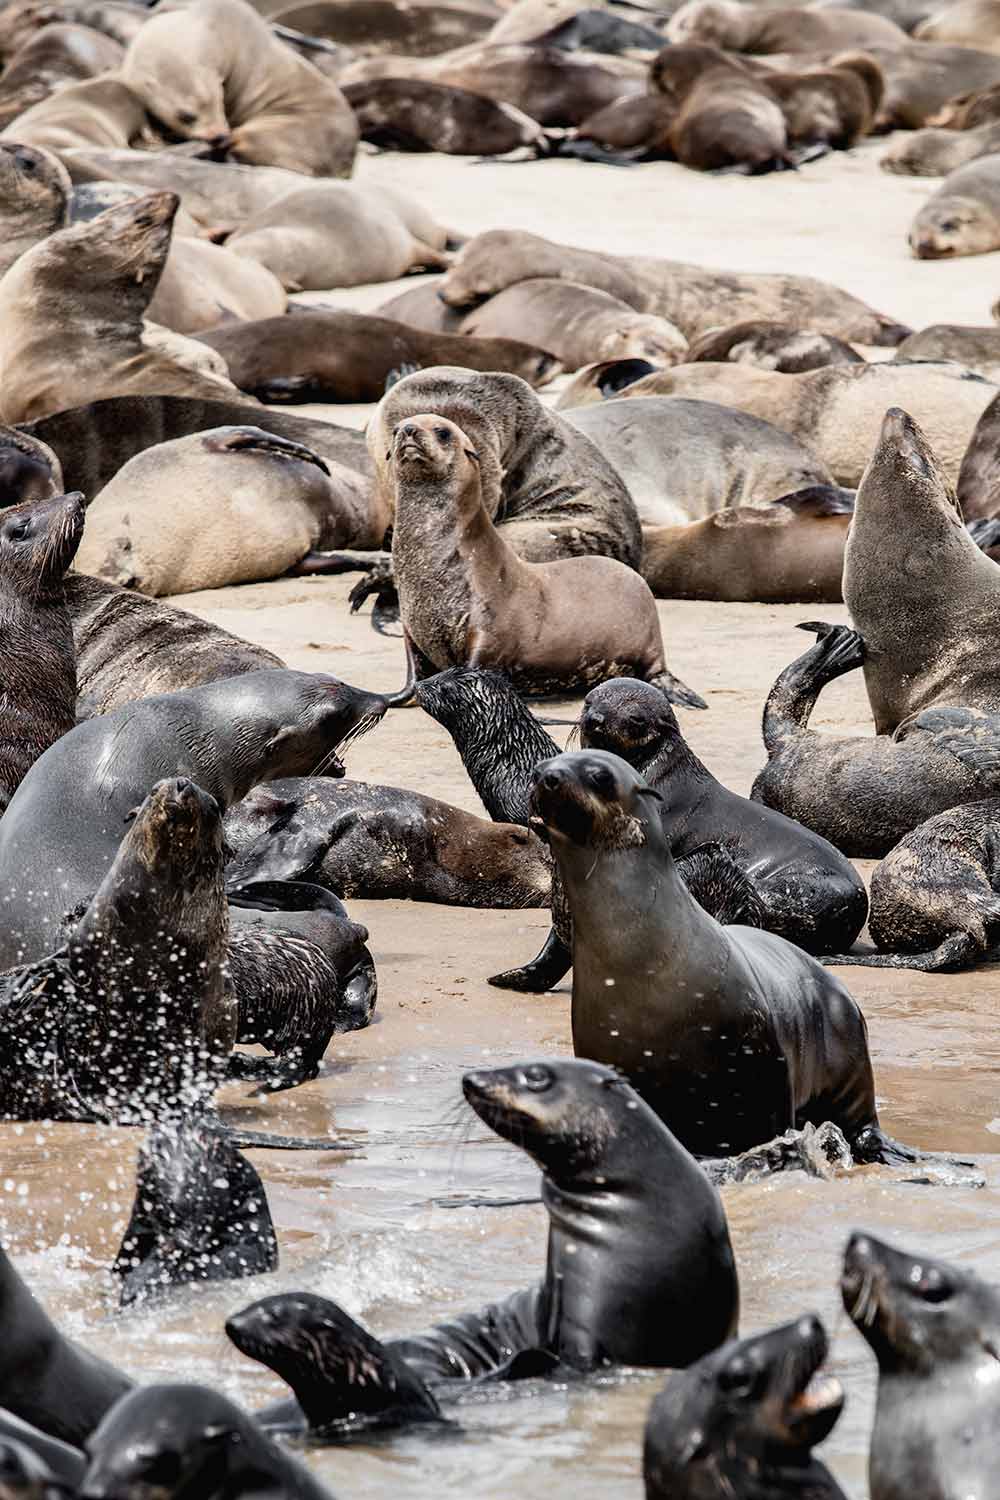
34	191
936	152
760	29
233	505
978	486
579	324
773	555
922	78
97	112
467	599
964	23
21	19
922	594
203	284
329	354
773	346
214	71
55	55
549	488
963	216
977	349
837	411
415	114
97	278
695	298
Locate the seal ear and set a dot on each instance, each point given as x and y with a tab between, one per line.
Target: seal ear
132	814
649	791
471	453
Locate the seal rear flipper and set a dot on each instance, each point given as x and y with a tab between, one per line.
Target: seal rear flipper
961	950
871	1146
544	972
718	884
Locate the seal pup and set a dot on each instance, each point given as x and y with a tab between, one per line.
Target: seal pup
38	541
934	1328
977	349
226	735
920	591
530	628
227	506
329	354
963	216
47	1380
936	152
547	487
732	1035
694	298
34	192
176	1440
91	273
382	842
862	793
200	1213
215	72
745	1420
978	487
934	898
415	114
776	29
639	1271
57	54
773	346
101	112
131	1019
723	115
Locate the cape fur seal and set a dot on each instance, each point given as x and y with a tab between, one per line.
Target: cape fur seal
920	591
978	487
656	1285
549	489
923	78
721	114
494	609
231	505
425	28
414	114
97	112
213	71
118	19
774	346
57	54
694	298
764	29
329	354
964	23
838	410
933	1327
369	841
963	216
935	153
732	1035
93	344
747	1415
34	191
977	349
227	735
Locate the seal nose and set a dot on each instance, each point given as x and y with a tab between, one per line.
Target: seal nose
859	1249
809	1328
550	780
183	784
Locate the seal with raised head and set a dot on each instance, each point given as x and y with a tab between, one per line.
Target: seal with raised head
934	1328
921	593
131	1020
34	191
226	736
744	1420
177	1440
38	541
732	1035
640	1269
468	599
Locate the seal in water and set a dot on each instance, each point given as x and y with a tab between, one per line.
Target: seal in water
131	1020
467	599
934	898
640	1269
177	1440
47	1380
732	1035
865	794
227	736
38	541
383	842
934	1329
200	1213
744	1420
920	591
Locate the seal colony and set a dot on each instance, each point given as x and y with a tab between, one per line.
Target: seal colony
206	943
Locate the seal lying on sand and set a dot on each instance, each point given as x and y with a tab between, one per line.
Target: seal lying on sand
639	1271
773	346
694	298
934	1328
131	1019
732	1035
370	841
38	540
200	1213
747	1415
227	735
865	794
963	216
493	609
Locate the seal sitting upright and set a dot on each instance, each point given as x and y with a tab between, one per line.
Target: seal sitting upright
731	1034
467	598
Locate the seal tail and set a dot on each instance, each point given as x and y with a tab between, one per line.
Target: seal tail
676	691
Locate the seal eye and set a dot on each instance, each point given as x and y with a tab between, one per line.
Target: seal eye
738	1378
538	1077
443	433
185	117
601	779
931	1286
17	531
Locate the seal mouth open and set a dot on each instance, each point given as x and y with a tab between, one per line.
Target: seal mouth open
332	763
811	1398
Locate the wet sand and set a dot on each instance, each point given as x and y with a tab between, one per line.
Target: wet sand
384	1229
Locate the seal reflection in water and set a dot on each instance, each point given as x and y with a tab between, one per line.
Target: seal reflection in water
744	1420
732	1035
935	1330
640	1270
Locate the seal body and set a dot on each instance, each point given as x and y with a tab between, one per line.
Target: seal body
931	1326
963	216
732	1035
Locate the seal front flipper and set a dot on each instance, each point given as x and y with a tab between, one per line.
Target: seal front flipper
544	972
343	1378
380	581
